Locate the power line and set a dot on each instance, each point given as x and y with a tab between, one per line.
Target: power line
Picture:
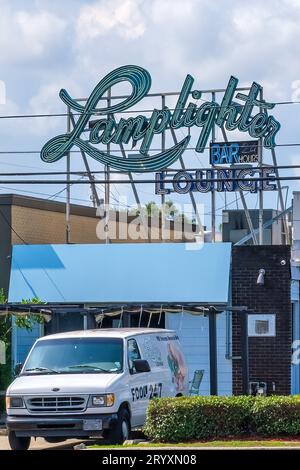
11	227
39	193
128	111
84	173
64	189
153	181
36	152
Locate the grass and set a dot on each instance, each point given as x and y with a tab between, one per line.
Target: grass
215	444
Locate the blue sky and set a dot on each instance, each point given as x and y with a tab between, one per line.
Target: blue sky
46	45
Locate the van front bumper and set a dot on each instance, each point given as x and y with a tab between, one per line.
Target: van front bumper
60	426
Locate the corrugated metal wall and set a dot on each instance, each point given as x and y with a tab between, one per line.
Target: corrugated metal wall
194	337
22	340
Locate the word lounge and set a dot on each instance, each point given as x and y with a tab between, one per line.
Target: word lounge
221	180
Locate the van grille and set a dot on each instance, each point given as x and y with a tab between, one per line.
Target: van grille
60	403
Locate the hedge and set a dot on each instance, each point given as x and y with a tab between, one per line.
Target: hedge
273	416
197	418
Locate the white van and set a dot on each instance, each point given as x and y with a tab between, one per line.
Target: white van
93	382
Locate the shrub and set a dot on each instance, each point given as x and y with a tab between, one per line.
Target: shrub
188	418
192	418
276	416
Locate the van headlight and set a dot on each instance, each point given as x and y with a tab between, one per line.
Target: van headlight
14	402
107	399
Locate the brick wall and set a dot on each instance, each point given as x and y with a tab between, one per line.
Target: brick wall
39	226
269	357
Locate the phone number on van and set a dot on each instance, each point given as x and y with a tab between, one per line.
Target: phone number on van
146	391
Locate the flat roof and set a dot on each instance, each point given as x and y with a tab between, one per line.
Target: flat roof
108	332
136	273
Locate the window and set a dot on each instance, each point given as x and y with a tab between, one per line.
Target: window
132	354
262	325
76	356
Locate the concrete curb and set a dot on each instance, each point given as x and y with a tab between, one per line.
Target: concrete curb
3	432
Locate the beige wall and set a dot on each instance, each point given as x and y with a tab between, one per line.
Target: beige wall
37	226
41	226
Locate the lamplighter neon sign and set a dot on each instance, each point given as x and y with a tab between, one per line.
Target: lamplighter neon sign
229	113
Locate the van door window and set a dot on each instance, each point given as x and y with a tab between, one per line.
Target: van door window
132	354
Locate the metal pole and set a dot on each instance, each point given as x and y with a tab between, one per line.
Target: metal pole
260	191
107	185
245	353
192	197
96	199
248	217
137	198
213	194
213	365
135	193
281	201
247	213
163	198
68	190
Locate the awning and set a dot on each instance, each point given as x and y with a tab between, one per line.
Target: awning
122	273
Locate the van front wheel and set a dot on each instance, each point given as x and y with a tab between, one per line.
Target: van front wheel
18	443
121	431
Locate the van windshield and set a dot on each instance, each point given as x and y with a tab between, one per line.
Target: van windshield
75	356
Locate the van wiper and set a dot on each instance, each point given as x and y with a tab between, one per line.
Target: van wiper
42	369
86	366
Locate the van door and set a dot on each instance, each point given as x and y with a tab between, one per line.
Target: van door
138	384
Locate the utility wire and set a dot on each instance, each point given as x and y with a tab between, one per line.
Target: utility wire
84	173
270	179
128	111
33	152
11	227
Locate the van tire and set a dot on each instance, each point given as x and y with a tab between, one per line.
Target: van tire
120	432
18	443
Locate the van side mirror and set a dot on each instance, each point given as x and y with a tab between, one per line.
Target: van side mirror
18	368
141	365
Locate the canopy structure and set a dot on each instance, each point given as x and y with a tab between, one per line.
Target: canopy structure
107	280
141	273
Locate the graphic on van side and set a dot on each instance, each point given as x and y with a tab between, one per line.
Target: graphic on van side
151	351
177	366
147	391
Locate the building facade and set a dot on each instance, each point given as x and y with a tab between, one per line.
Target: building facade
176	278
269	317
28	220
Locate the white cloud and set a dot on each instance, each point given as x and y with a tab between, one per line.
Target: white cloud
26	36
122	17
46	45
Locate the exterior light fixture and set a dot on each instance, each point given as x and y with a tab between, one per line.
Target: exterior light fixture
261	277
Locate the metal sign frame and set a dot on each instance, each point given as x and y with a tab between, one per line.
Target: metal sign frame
163	96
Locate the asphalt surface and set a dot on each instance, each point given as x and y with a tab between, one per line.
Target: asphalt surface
41	444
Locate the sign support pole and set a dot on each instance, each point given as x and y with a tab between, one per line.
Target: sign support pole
260	191
248	217
213	363
282	204
245	353
96	199
107	185
192	197
68	190
163	198
213	193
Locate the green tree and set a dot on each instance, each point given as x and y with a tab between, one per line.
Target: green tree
152	209
26	321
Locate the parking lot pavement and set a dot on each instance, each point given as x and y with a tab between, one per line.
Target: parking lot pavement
41	444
